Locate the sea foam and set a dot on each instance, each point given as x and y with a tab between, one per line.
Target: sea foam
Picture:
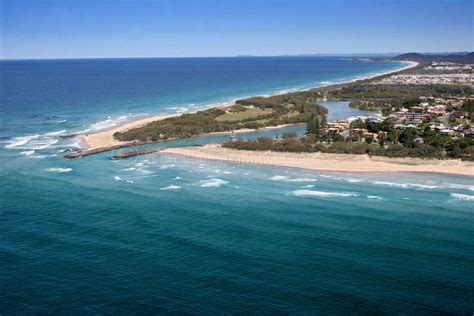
322	193
212	183
463	197
288	179
405	185
59	170
19	141
171	187
374	197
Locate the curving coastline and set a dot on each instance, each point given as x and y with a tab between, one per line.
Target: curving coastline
104	139
326	162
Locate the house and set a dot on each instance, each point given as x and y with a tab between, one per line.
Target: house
437	111
382	135
411	116
446	131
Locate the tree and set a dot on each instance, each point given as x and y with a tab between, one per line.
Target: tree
468	107
314	125
407	136
358	124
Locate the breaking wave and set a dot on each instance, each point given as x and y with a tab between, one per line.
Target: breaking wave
288	179
374	197
59	170
463	197
405	185
322	193
34	142
212	183
171	187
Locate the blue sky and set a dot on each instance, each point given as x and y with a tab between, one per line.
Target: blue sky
155	28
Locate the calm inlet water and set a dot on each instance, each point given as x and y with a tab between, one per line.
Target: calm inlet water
161	233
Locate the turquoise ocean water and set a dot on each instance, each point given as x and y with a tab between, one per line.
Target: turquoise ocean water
162	233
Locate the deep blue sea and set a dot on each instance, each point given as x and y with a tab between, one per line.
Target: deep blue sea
167	234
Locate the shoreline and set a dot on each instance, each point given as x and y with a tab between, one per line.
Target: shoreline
326	162
103	139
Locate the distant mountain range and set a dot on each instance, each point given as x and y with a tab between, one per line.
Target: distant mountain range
433	57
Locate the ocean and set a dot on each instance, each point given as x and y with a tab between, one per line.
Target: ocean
165	234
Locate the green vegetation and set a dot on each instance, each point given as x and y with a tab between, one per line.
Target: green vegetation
396	136
254	113
384	97
417	140
435	148
246	114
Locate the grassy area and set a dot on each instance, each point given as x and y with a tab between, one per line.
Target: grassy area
244	115
254	113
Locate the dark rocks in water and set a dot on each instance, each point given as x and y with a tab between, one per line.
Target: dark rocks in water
68	136
88	152
133	153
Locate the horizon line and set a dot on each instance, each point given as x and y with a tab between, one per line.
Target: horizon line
235	56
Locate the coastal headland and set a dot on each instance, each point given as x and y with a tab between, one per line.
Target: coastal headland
105	139
370	152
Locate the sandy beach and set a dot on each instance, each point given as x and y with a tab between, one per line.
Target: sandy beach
105	138
327	162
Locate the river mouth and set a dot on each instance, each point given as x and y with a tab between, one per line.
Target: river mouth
337	110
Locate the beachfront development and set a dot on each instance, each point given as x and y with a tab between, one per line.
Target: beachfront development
245	157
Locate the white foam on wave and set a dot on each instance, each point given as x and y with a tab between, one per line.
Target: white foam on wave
405	185
42	156
107	123
288	179
279	178
34	142
374	197
75	144
144	171
117	178
19	141
463	197
129	169
214	183
459	186
182	110
167	166
352	180
27	152
346	179
171	187
322	193
55	133
59	170
177	178
221	172
309	186
41	143
302	180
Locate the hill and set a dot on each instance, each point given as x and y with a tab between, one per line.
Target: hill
453	57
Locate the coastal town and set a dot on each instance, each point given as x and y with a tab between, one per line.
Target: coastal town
417	113
443	116
426	111
435	72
